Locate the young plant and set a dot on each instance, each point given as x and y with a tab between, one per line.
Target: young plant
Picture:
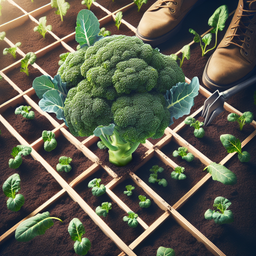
199	130
144	202
29	59
245	118
88	3
101	145
221	173
2	34
10	188
233	144
118	19
185	54
76	230
103	209
97	188
103	32
153	177
17	153
139	3
131	219
221	215
64	164
34	226
178	174
12	50
25	112
129	189
217	21
50	143
62	7
163	251
42	28
183	152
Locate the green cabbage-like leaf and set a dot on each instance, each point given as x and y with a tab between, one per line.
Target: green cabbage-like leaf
82	248
76	229
11	185
163	251
180	98
14	204
221	174
87	28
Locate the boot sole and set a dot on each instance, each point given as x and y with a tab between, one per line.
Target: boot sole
161	39
210	84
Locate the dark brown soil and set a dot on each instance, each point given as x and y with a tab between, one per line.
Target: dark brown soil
7	91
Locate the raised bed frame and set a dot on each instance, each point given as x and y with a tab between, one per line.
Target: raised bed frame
83	146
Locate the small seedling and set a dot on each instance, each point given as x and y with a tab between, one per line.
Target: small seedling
25	111
97	188
139	3
76	230
221	215
183	152
178	174
62	7
245	118
129	189
233	144
185	54
88	3
153	177
118	19
34	226
131	219
42	28
144	202
101	145
199	130
64	164
10	188
17	153
103	32
50	143
217	21
103	209
2	34
163	251
12	50
29	59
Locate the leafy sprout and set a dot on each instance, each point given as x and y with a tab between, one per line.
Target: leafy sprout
153	177
131	219
88	3
144	202
50	143
183	152
118	19
97	188
185	54
104	209
17	153
62	7
25	111
103	32
64	164
12	50
29	59
129	189
42	28
199	130
164	251
245	118
139	3
178	174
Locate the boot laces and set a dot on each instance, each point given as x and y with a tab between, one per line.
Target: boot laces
242	25
166	4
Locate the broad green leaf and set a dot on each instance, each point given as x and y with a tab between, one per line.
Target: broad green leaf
247	117
223	218
163	251
53	102
197	37
221	174
62	7
207	39
76	229
87	28
12	185
231	143
104	130
82	248
180	98
244	157
186	51
218	19
34	226
208	214
14	204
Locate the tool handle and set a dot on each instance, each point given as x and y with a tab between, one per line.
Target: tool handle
237	88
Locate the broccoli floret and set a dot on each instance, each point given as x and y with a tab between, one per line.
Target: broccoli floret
69	71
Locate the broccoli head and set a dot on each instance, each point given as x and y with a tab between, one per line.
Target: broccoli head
69	71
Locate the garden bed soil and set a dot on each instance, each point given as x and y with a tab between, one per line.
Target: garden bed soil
234	239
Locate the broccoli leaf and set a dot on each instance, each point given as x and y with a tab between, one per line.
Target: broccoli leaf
163	251
221	174
34	226
180	98
62	7
87	28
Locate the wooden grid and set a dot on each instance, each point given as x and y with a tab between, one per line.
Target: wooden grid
83	146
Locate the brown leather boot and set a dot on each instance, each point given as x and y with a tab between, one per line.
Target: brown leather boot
234	60
163	20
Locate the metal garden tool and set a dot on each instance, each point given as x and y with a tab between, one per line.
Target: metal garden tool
214	105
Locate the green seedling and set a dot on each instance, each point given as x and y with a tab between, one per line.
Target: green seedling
245	118
103	209
97	188
64	164
88	3
129	189
17	153
12	50
153	177
118	19
25	111
163	251
131	219
42	28
183	152
144	202
103	32
50	143
178	174
29	59
199	130
62	7
185	54
139	3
